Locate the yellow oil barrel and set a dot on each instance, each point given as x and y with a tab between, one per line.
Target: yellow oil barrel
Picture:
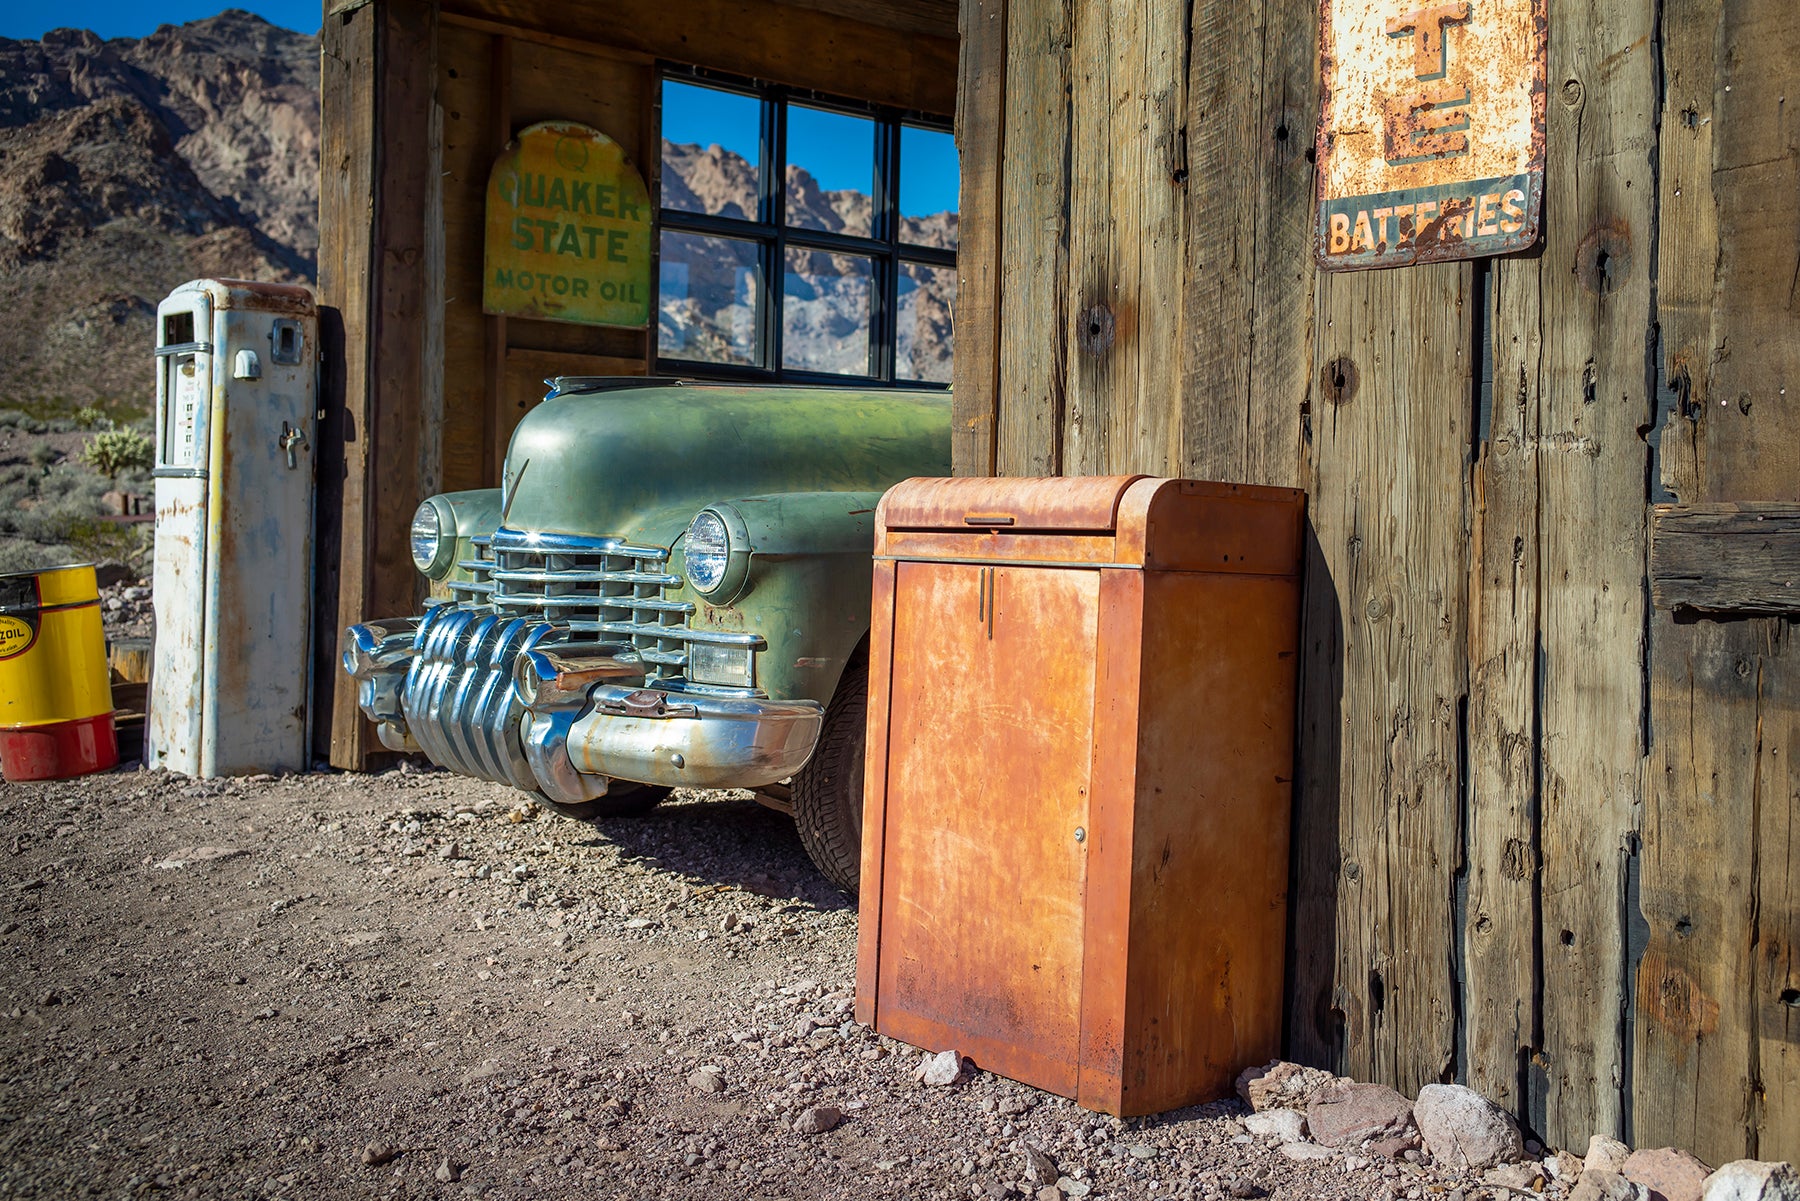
56	709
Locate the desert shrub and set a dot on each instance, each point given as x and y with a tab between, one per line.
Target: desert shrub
89	417
115	452
43	456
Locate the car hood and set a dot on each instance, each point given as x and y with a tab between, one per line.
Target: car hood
638	463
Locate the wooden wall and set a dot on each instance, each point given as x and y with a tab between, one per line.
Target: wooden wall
419	97
1546	841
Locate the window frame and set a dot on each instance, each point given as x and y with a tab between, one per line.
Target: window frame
773	236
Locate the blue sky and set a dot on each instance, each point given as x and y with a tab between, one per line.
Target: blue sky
838	150
135	18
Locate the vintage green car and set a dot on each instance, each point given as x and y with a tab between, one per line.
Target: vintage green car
670	589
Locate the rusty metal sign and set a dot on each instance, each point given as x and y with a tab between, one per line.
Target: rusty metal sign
1431	130
568	230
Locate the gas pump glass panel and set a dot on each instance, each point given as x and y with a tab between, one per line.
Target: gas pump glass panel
825	312
183	386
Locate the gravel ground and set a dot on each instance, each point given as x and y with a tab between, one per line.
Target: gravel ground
417	985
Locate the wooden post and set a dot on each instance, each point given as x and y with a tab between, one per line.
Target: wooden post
1717	1055
375	256
980	109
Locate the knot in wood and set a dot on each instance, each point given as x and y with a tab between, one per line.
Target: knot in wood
1339	380
1094	330
1603	260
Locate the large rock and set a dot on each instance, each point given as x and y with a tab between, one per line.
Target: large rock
1283	1124
1606	1154
1753	1180
1281	1085
1463	1129
1670	1174
1345	1113
1598	1184
940	1070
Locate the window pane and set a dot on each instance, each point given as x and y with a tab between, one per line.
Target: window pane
710	291
928	183
711	150
830	171
927	300
825	313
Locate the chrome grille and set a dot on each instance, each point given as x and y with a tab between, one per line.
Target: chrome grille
600	589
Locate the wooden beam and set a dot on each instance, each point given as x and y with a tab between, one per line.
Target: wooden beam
980	128
1127	199
1383	675
347	65
1726	558
1502	976
1247	364
500	131
1032	335
378	80
798	47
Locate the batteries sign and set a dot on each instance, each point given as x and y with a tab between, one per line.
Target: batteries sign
568	230
1431	130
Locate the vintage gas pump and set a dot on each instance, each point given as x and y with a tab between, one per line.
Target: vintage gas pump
236	395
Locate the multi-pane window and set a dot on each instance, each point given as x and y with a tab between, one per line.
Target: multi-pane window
802	238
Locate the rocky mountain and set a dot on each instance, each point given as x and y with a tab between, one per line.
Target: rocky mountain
706	301
130	165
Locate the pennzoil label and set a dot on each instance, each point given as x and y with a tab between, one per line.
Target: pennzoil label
19	615
16	635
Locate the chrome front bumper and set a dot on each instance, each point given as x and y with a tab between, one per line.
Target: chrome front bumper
448	684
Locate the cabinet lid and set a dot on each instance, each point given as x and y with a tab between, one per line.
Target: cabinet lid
1065	504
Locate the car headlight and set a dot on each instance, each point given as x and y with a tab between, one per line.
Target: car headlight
708	552
433	539
716	550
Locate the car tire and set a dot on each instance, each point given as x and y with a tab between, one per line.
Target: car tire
623	799
828	791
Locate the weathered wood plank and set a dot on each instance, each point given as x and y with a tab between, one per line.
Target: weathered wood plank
408	173
1775	937
1716	1067
980	128
1034	228
1248	286
347	63
1726	558
1693	1053
1384	677
1126	199
1595	398
1501	970
465	60
800	47
495	427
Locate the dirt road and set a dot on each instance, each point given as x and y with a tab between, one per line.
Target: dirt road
415	985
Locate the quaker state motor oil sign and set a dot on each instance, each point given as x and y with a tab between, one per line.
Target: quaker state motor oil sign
1431	131
568	230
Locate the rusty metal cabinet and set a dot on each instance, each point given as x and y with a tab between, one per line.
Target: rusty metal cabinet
1080	745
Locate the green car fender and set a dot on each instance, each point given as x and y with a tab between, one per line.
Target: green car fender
799	575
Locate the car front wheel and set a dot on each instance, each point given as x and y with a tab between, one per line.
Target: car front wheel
828	792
